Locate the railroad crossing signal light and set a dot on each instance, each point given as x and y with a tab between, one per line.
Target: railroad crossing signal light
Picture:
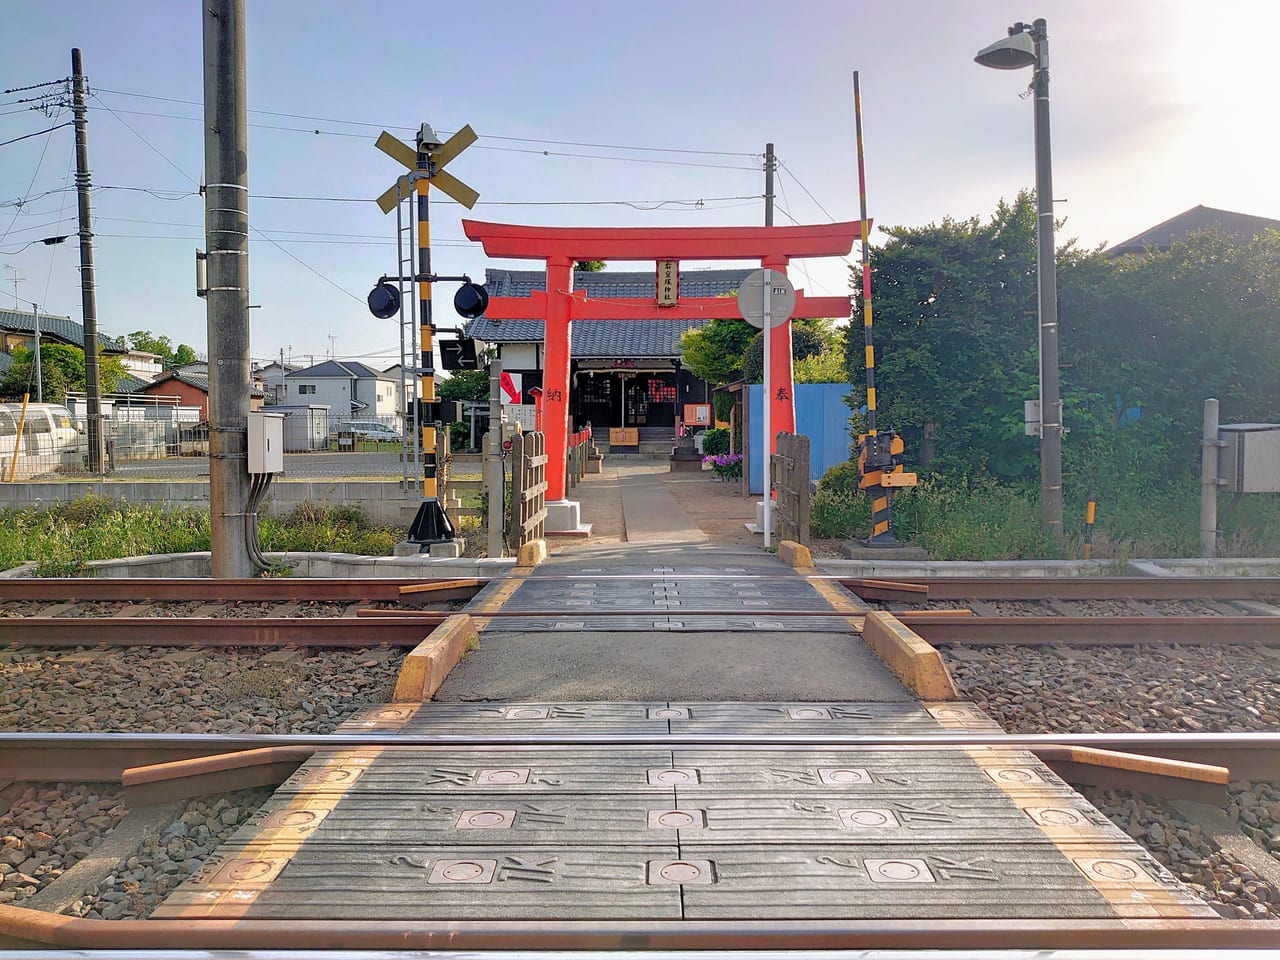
384	301
471	300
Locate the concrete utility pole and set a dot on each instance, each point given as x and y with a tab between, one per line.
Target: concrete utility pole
493	469
226	167
88	301
769	165
1209	481
35	311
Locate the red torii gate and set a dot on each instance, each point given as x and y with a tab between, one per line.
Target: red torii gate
561	247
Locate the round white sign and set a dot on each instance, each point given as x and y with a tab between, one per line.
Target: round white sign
751	299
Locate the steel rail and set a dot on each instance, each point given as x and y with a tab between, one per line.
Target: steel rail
218	632
782	954
944	739
35	927
1094	631
195	588
1071	588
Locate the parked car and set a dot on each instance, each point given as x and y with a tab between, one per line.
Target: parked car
370	430
51	439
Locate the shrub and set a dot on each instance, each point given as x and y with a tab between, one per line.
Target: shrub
838	515
727	466
841	479
715	441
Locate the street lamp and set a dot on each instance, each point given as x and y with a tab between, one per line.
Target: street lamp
1027	45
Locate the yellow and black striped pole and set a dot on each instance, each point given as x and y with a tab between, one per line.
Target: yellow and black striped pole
431	525
426	364
878	454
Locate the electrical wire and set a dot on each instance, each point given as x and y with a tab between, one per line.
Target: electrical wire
34	86
53	250
28	136
393	126
269	240
152	146
36	173
481	146
806	190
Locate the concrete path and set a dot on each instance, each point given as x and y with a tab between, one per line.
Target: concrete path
652	514
670	621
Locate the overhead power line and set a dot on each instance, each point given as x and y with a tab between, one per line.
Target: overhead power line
395	126
807	191
28	136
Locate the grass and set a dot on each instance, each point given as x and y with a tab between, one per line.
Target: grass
63	538
982	520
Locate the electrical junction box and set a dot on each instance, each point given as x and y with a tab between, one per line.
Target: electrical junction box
1249	457
266	443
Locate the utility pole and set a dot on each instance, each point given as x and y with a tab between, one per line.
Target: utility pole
227	230
35	310
88	301
770	163
494	473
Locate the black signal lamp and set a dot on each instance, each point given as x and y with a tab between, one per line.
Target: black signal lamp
384	301
471	300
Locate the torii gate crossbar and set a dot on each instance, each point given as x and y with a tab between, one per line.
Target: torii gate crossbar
561	247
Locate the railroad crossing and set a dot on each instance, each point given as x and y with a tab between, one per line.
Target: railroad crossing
688	809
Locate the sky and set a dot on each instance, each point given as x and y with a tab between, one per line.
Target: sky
614	113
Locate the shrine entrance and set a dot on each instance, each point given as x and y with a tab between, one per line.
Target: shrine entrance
559	306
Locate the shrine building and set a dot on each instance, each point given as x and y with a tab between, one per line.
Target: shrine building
623	373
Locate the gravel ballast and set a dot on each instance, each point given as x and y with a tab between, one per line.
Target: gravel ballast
1215	689
48	829
213	691
140	883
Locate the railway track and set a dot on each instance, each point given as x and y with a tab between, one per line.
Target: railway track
265	616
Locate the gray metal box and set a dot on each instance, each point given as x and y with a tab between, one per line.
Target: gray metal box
266	443
1249	460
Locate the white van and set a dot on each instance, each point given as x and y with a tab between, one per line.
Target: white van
51	440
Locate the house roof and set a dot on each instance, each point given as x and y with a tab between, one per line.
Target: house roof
196	380
342	370
595	339
60	328
605	339
1244	226
131	384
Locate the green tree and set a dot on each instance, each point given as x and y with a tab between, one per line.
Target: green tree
162	346
464	385
955	334
807	340
181	356
61	369
589	266
715	352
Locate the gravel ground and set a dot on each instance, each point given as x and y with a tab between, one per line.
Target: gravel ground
141	883
155	690
1185	689
1073	608
49	828
222	609
1230	888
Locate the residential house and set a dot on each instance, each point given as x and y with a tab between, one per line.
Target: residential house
273	381
625	373
1243	226
191	389
407	384
18	329
142	365
348	387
